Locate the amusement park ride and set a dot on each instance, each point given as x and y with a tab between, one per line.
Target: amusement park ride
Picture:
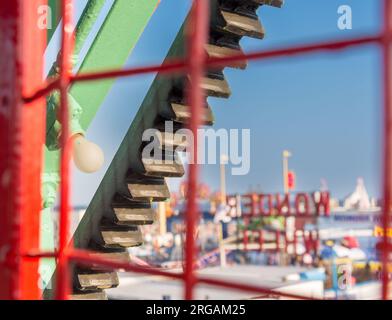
209	40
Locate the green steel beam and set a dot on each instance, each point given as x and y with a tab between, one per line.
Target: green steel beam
51	179
85	23
110	49
112	46
83	29
55	18
119	35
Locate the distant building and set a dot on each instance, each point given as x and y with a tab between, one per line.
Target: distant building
359	199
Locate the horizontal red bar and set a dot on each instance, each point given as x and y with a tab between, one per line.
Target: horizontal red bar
250	288
86	258
89	258
294	215
180	66
36	254
162	68
296	50
49	86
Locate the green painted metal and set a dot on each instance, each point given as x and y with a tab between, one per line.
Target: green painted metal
83	30
128	155
55	18
119	35
51	179
111	48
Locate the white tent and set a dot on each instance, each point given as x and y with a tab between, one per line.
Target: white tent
359	199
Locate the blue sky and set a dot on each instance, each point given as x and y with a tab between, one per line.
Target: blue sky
324	108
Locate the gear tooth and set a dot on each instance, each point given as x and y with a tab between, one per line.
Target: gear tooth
133	181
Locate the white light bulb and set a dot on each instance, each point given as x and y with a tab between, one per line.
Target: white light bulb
88	156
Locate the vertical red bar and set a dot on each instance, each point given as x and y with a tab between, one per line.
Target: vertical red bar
261	240
22	130
317	242
33	138
387	165
198	36
307	240
312	241
245	238
286	239
277	238
295	243
67	43
286	242
10	149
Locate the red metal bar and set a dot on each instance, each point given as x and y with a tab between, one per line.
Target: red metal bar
307	240
250	288
387	165
332	45
286	240
169	67
180	66
222	61
86	258
46	89
37	254
245	237
32	139
67	42
295	242
21	139
261	240
198	36
197	62
317	242
10	150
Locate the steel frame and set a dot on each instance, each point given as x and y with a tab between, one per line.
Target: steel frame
194	64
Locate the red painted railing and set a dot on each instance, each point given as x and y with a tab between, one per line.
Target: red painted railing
195	64
22	135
